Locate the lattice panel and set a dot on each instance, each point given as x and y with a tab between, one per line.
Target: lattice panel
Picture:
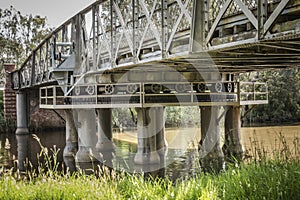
175	10
104	35
149	24
124	26
232	10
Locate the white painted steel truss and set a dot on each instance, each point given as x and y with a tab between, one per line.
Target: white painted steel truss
113	35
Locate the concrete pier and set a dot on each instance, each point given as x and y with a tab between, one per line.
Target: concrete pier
22	132
147	153
71	147
87	140
211	154
105	147
233	148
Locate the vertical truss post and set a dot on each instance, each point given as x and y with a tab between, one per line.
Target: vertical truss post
164	28
32	81
95	28
200	22
113	33
262	12
78	48
135	39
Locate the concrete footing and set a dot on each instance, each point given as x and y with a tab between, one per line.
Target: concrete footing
87	140
211	154
233	148
147	153
71	147
105	148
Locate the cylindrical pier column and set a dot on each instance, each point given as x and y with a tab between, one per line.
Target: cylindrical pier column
161	142
87	140
22	133
233	148
146	126
211	155
22	117
105	147
71	147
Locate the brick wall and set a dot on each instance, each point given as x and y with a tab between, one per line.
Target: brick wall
43	118
9	95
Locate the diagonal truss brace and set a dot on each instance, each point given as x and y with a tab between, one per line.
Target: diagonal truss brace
275	14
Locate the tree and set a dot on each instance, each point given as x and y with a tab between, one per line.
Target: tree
284	97
20	34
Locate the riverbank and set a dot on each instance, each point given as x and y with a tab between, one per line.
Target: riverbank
263	180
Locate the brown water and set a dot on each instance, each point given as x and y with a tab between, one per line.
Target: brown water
181	157
183	138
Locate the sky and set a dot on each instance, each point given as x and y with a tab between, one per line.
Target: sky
56	11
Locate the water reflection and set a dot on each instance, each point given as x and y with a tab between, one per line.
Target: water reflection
48	139
178	163
180	160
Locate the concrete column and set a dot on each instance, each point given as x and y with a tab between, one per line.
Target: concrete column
211	155
233	148
105	147
161	142
87	140
22	132
22	117
146	124
71	147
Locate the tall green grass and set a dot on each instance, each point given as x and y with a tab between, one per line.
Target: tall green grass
270	180
262	178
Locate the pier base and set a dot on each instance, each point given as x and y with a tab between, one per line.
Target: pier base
22	132
87	139
233	148
71	147
105	148
147	153
211	154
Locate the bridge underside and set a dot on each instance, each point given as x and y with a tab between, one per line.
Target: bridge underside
148	54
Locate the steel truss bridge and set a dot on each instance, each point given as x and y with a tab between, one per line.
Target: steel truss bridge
137	53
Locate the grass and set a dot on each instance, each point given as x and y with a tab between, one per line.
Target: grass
262	178
269	180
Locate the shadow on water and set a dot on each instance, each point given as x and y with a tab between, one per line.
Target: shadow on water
178	164
8	148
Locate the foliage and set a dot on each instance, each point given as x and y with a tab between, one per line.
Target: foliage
19	34
174	116
284	97
266	179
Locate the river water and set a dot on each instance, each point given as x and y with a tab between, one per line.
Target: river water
181	157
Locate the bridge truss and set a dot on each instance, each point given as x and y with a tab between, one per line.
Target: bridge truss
110	43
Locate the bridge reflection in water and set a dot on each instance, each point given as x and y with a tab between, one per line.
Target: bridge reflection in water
181	157
148	54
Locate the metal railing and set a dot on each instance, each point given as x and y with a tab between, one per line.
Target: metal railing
151	93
